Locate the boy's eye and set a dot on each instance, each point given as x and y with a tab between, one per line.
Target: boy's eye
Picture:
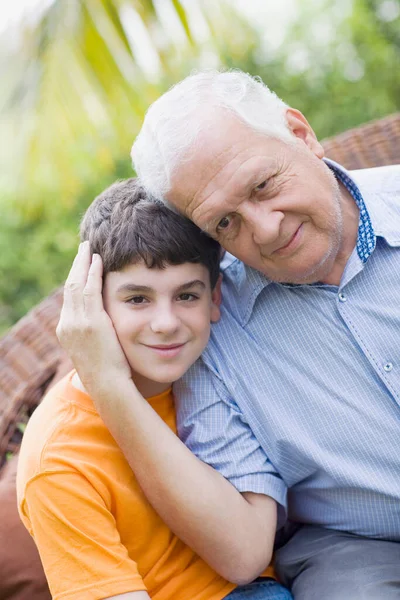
137	300
186	297
224	223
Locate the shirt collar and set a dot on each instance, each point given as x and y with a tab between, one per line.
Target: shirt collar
376	219
381	196
366	239
240	286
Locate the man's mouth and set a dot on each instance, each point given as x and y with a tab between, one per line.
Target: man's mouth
290	246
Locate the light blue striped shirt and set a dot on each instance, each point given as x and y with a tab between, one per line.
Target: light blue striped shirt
297	394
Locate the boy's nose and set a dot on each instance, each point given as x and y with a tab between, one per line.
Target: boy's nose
165	321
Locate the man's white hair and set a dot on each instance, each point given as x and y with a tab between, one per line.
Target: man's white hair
174	121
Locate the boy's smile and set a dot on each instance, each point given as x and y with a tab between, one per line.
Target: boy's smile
162	319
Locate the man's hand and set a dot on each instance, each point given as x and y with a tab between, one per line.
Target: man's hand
85	330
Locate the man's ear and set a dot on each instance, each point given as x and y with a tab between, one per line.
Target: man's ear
216	299
301	128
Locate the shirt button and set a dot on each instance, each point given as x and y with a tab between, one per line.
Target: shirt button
388	367
342	297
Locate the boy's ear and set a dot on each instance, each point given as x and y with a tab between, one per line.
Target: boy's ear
216	299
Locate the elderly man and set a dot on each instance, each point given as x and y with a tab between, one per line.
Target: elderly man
300	384
296	398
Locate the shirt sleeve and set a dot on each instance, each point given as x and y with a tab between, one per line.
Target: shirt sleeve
77	538
213	427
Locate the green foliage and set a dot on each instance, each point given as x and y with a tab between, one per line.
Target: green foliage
340	67
77	91
35	254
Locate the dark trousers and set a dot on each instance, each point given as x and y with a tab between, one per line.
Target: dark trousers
322	564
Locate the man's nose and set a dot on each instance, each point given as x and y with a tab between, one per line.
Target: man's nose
164	320
262	222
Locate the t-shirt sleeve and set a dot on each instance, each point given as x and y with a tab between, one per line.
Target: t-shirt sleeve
77	538
213	427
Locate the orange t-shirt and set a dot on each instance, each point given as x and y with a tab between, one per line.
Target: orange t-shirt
97	534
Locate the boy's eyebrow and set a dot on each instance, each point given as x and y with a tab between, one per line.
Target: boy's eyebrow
190	284
133	287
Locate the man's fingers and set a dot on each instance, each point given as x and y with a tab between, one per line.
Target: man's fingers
92	293
76	280
72	311
80	266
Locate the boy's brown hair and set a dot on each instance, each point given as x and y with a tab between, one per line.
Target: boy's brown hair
126	226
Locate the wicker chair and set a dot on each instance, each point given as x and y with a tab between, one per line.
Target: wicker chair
30	354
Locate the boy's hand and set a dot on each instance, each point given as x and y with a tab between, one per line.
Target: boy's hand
85	330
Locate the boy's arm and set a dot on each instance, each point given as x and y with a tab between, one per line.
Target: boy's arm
234	533
76	535
130	596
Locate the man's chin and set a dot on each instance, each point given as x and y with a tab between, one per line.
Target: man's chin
302	277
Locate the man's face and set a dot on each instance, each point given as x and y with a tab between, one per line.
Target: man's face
275	206
162	319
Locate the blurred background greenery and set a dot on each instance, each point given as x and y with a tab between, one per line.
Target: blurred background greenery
78	75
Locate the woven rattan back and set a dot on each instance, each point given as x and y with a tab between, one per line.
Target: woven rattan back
373	145
30	354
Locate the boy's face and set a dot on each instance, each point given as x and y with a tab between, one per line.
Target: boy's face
162	319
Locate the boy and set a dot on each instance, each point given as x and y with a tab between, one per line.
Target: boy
98	536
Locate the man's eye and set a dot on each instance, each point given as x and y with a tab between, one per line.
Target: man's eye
137	300
224	223
260	186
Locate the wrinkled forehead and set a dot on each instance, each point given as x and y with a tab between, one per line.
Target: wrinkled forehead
222	145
